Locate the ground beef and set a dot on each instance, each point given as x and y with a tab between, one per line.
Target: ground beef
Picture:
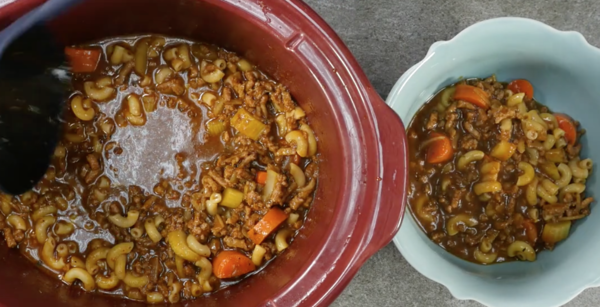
236	243
171	87
219	179
9	238
433	121
277	197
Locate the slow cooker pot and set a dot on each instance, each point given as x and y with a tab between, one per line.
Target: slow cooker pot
360	199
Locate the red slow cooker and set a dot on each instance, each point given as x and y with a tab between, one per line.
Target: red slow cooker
361	194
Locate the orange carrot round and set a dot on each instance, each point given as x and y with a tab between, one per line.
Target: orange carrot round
566	124
440	148
521	86
267	225
229	264
261	177
472	95
83	60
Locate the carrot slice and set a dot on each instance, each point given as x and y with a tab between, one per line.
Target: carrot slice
473	95
566	124
440	148
266	225
229	264
83	60
530	230
521	86
261	177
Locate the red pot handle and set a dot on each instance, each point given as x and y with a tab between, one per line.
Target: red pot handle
393	175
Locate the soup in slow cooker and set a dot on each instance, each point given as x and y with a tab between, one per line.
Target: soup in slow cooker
494	175
182	169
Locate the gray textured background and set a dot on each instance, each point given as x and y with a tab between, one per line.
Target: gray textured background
389	36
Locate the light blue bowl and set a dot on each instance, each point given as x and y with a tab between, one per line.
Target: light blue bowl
565	72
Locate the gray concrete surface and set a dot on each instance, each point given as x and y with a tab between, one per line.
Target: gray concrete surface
387	37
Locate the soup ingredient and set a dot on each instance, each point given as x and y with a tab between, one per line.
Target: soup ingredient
261	177
439	148
556	232
472	94
229	264
267	225
566	124
521	86
83	60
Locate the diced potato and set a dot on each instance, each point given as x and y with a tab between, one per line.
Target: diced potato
555	232
232	198
215	127
247	124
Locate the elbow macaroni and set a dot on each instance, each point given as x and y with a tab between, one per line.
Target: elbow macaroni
281	239
545	194
197	247
118	250
528	174
465	159
47	255
17	222
107	283
565	175
576	170
78	273
531	192
43	211
550	186
152	231
177	241
258	254
125	222
41	228
63	228
213	203
134	281
205	272
91	262
76	262
120	266
174	290
179	266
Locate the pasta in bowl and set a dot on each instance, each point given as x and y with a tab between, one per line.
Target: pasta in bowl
563	84
495	176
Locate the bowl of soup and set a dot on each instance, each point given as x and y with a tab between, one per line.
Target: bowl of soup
199	146
501	174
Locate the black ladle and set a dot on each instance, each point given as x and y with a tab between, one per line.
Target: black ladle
34	85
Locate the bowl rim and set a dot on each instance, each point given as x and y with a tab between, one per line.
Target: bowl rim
456	289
